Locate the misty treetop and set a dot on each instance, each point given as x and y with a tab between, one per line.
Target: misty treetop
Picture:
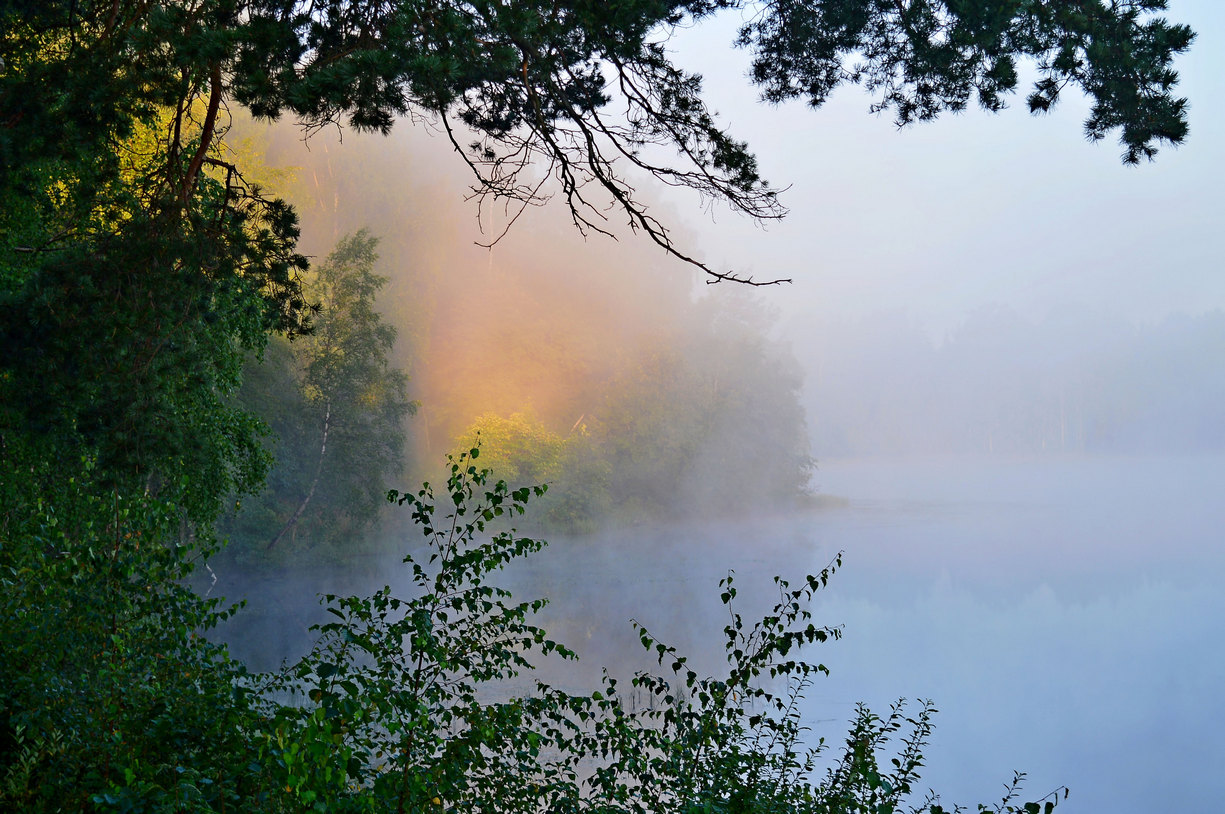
336	407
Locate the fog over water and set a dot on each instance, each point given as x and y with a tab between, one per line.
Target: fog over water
1061	613
1013	365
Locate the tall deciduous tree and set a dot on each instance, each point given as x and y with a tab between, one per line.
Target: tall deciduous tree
336	406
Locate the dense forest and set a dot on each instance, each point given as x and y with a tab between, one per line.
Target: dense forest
171	353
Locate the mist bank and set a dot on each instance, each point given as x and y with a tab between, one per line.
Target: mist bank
1076	382
598	365
602	367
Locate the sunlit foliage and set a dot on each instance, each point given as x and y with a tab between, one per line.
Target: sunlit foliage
701	419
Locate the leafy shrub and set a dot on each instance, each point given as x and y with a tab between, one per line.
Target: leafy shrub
112	700
403	712
109	692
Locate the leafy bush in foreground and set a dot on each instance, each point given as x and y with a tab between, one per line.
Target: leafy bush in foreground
407	702
110	695
404	714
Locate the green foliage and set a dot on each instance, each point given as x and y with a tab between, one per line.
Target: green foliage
136	270
519	448
117	350
706	422
108	690
336	409
924	58
396	682
415	701
412	702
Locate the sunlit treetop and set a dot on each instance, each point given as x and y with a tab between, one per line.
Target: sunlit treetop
581	91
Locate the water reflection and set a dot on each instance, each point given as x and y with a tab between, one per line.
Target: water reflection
1063	615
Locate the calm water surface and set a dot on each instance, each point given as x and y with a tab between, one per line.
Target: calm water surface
1065	616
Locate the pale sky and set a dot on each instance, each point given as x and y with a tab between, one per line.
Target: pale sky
944	217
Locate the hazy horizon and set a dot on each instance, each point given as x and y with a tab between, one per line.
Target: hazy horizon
1035	330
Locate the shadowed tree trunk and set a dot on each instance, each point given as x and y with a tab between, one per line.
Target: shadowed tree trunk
323	448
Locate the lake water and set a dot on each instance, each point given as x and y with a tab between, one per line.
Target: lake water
1065	616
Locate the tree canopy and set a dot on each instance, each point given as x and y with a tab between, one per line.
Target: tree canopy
336	407
135	255
580	88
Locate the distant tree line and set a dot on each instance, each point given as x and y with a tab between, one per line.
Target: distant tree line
705	423
1073	383
700	417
